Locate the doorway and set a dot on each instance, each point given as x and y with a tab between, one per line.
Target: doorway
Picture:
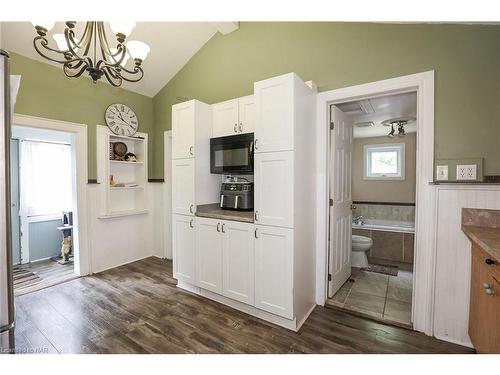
372	206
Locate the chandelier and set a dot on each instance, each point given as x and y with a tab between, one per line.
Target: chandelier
91	52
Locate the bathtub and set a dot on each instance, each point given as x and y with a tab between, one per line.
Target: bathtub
387	225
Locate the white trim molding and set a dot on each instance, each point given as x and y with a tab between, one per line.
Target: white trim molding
425	241
79	133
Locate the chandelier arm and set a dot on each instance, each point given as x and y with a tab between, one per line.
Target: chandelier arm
106	50
44	44
67	70
68	36
87	37
137	70
113	78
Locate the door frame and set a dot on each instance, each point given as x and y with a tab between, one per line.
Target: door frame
167	194
79	132
425	239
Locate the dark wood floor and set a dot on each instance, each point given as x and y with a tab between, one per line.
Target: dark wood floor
136	308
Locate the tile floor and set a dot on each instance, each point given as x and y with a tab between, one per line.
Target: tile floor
379	296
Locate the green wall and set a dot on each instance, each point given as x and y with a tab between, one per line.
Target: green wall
46	92
466	59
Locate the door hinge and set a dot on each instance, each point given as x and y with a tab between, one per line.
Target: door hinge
331	202
332	125
329	277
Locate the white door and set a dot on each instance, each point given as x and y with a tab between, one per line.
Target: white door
340	193
274	270
183	130
183	187
225	118
246	114
273	195
274	114
238	261
209	254
184	256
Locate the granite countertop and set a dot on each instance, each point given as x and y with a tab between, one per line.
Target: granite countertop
487	238
215	212
482	226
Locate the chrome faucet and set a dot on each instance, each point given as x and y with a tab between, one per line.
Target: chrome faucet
360	220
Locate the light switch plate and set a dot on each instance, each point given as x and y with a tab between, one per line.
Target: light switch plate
442	172
467	172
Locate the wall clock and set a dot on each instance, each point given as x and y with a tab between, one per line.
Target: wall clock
121	120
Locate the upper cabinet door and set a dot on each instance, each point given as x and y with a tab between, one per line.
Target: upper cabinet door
183	199
183	245
209	254
238	261
183	122
274	114
274	270
273	195
225	118
246	114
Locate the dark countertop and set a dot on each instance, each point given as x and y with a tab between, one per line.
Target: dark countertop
487	238
214	211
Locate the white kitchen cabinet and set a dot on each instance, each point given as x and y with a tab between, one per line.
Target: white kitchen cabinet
275	110
225	118
234	116
209	254
274	188
183	186
238	261
246	112
274	270
183	130
184	255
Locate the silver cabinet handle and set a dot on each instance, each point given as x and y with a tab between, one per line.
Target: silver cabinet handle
191	208
255	145
255	233
218	225
490	291
191	223
235	128
223	231
191	150
255	216
240	127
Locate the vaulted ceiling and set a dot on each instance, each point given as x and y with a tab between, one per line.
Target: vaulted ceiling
172	45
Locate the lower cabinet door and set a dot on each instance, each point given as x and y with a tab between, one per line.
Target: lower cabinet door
183	241
209	254
274	270
238	261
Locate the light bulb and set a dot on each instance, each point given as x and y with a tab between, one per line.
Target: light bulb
61	42
117	58
138	50
47	25
122	27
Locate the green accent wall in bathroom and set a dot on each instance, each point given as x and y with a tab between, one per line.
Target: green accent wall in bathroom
46	92
466	59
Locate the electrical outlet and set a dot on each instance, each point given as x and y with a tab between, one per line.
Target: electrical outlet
442	172
467	172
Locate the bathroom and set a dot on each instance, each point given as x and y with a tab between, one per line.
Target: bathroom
383	183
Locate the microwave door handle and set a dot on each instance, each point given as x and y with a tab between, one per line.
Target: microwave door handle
236	201
221	200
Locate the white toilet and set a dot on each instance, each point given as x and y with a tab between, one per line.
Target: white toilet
360	245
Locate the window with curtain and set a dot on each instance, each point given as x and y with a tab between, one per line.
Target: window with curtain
46	181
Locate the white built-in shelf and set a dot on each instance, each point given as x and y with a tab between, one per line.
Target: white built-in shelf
126	162
125	187
112	215
135	139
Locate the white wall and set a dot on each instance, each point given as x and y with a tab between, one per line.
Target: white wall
453	266
122	240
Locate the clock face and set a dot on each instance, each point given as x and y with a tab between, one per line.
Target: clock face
121	120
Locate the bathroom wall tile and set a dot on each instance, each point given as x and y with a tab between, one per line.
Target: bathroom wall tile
408	247
366	303
385	212
387	245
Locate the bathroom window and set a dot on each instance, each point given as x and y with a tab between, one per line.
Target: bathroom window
384	162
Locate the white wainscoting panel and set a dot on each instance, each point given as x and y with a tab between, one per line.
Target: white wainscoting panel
453	263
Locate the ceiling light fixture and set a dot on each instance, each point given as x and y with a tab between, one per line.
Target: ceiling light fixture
391	133
91	53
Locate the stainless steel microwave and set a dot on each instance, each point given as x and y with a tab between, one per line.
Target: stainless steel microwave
232	154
